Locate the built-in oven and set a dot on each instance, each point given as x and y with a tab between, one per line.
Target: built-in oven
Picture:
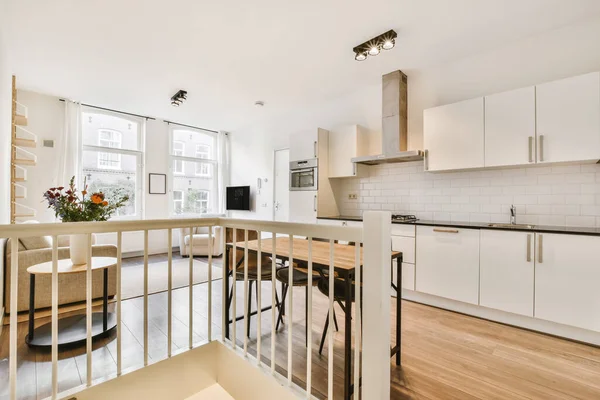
304	175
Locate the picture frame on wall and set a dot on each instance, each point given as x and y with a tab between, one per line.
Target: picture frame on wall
157	183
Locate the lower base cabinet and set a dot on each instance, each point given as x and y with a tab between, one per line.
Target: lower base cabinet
567	280
507	271
448	262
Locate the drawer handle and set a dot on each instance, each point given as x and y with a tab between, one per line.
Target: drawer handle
529	248
540	249
445	230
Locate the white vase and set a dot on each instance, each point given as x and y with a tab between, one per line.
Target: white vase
78	245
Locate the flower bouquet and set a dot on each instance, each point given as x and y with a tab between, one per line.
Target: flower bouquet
70	205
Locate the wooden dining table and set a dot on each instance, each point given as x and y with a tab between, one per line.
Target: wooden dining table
344	263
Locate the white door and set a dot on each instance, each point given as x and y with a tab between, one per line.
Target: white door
303	206
568	119
453	136
281	190
510	128
567	273
507	271
448	263
303	145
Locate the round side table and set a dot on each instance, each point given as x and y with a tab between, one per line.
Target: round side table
73	329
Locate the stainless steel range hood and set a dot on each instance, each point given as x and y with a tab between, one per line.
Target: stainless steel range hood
394	136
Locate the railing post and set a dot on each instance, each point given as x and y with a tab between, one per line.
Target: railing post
376	305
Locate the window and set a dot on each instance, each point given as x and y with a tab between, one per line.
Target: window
202	152
202	202
196	191
112	139
178	201
178	150
111	157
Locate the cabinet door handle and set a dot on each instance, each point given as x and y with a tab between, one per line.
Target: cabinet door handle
541	144
315	148
426	160
445	230
540	248
530	148
315	203
529	248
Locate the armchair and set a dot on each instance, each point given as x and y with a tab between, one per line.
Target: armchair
200	242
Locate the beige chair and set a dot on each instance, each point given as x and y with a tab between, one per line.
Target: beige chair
200	241
71	287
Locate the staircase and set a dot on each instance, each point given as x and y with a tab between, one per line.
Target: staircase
20	158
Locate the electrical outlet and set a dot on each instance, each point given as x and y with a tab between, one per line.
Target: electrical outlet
352	196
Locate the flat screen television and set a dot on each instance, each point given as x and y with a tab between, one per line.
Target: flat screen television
238	198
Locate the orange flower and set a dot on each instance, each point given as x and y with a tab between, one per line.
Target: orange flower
105	203
84	192
96	198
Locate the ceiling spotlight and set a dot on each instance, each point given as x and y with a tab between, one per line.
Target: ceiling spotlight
178	98
259	103
360	56
373	47
374	50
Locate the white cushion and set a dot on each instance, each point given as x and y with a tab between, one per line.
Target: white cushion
199	239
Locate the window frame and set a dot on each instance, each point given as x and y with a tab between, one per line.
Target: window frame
207	200
203	165
101	154
139	155
213	165
182	171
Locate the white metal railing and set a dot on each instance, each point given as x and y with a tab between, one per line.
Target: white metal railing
376	248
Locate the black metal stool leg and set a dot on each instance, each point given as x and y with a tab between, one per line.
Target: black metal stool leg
249	308
324	335
282	308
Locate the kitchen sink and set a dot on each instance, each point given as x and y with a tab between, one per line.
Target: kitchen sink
515	226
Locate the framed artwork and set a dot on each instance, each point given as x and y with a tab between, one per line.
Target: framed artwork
157	184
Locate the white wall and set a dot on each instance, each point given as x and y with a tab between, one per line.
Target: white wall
5	138
564	52
46	119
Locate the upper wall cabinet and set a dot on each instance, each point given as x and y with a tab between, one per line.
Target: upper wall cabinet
346	143
304	145
568	119
510	128
453	136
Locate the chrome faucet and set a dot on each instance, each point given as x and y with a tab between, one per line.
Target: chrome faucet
513	215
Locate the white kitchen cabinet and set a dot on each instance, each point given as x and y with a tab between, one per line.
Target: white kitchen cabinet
346	143
510	128
448	263
303	206
408	276
507	271
453	136
567	277
304	145
568	119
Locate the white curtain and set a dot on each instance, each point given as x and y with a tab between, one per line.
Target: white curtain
68	156
223	160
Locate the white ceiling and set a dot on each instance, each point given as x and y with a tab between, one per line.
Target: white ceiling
133	55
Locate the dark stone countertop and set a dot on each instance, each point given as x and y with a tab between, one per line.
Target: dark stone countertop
575	230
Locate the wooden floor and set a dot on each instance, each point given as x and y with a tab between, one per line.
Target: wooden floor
445	355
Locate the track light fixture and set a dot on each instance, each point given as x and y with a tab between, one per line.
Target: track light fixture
178	98
373	47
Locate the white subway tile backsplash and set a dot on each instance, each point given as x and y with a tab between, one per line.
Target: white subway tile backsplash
548	195
586	221
566	210
590	210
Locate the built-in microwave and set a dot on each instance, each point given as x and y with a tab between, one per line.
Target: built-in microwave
304	175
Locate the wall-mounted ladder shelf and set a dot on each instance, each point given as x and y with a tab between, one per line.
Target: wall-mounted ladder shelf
20	158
